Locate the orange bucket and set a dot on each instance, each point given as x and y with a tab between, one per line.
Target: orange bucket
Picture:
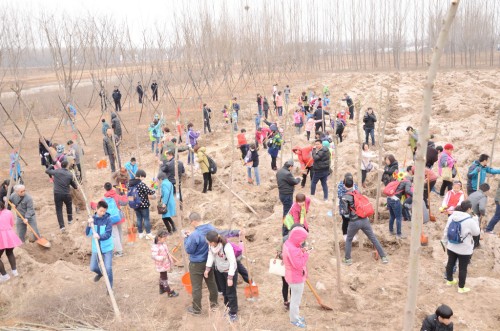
186	281
101	164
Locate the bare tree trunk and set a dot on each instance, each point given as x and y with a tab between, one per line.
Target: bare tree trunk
417	209
335	200
380	139
360	151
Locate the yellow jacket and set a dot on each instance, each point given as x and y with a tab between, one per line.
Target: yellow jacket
202	159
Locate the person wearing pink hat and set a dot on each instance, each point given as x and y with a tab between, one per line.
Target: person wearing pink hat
446	169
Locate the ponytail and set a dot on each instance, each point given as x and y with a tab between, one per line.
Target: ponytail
161	234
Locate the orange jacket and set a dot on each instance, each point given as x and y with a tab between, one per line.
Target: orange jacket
305	156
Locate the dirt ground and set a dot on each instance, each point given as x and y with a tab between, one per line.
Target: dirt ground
56	288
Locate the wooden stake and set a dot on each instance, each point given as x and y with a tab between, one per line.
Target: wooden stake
334	216
381	149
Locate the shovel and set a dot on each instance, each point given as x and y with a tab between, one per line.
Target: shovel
132	230
325	307
432	218
39	240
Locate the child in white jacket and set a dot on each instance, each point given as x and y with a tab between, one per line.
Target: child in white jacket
461	251
221	253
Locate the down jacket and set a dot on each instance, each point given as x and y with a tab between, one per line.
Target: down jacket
322	159
294	257
286	181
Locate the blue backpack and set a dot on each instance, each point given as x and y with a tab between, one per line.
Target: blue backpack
115	214
134	200
455	232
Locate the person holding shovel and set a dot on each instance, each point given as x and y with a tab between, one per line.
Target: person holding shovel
476	174
197	248
109	142
8	241
24	205
103	228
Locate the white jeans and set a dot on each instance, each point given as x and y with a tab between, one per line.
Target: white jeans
296	298
117	237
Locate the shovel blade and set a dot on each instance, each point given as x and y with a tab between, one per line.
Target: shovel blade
43	242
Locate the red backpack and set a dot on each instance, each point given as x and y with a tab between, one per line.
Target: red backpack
362	206
391	188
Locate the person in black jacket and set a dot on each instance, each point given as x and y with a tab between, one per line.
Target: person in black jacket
369	119
206	118
319	115
440	321
116	125
259	104
350	104
391	166
63	179
432	154
117	97
321	167
140	91
154	89
168	167
252	161
286	185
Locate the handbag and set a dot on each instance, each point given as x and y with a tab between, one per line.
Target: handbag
162	208
446	174
277	267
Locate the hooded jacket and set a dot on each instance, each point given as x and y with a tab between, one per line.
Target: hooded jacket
103	227
322	159
202	159
196	244
115	122
388	171
477	170
305	156
120	200
294	257
470	228
286	181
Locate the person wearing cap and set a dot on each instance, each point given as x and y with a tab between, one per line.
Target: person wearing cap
356	223
74	151
439	321
476	175
286	185
321	167
117	97
453	198
274	143
446	161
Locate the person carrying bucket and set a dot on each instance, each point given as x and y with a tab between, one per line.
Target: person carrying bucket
197	248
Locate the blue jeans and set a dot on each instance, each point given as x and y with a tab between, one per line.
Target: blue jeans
153	143
259	107
280	111
494	220
190	156
287	201
395	209
256	171
108	264
142	214
370	132
320	176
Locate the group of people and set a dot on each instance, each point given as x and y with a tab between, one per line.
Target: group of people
212	256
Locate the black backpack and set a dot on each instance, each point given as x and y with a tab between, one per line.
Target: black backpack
212	166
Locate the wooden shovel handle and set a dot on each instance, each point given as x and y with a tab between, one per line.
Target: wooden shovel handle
24	220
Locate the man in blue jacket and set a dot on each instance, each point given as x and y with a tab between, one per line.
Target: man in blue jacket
476	174
103	227
197	248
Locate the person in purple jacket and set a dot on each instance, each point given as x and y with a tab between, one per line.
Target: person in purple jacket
192	140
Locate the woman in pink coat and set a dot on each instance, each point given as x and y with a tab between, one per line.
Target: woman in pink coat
8	241
279	104
295	259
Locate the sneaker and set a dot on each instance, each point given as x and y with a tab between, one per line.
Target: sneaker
150	236
97	278
299	324
220	293
173	294
233	318
355	238
303	319
463	289
400	236
451	282
489	232
384	259
15	273
214	307
141	235
63	229
70	222
118	254
347	261
193	311
4	278
345	237
392	233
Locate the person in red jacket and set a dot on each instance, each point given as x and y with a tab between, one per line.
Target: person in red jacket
261	137
295	259
453	198
306	162
120	200
343	115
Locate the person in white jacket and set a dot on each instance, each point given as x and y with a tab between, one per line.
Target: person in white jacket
460	251
221	252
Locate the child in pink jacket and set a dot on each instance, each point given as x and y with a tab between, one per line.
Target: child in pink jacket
297	214
310	124
163	262
295	259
